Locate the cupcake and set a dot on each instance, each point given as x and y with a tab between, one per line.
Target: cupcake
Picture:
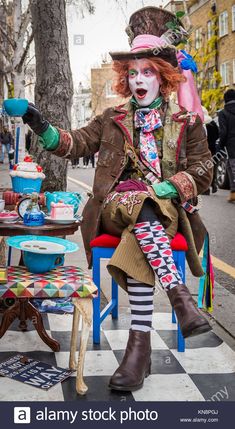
27	176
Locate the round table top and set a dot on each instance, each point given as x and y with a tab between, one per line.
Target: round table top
53	230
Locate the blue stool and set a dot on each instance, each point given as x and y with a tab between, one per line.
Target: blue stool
103	247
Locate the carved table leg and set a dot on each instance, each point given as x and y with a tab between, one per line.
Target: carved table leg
22	315
33	314
8	317
84	307
74	337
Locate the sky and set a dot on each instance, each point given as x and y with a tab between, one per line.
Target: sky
103	32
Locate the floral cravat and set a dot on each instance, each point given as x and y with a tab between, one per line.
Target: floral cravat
148	120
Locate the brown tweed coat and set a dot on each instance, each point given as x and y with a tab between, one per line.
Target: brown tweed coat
184	164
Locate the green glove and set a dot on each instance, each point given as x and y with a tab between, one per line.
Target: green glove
50	138
165	190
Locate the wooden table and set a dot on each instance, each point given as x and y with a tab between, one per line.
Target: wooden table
53	230
23	309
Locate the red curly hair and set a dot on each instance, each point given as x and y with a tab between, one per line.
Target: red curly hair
170	76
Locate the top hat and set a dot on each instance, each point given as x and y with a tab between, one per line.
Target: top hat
153	32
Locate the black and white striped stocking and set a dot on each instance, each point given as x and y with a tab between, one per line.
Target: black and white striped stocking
141	305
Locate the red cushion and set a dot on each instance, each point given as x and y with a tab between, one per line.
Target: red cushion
179	242
106	240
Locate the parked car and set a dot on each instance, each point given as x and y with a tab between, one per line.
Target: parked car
221	172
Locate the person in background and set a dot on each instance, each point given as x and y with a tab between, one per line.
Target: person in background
28	139
92	159
86	161
75	163
7	144
227	137
212	132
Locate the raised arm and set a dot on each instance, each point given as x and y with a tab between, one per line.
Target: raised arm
64	143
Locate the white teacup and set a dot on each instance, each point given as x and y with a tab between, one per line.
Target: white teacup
2	205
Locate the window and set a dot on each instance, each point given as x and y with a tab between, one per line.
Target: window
233	17
209	30
223	23
224	71
198	38
233	71
108	89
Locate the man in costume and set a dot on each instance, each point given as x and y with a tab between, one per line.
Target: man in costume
146	181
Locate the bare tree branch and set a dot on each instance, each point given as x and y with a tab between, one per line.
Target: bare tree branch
25	21
5	35
20	64
82	6
18	57
29	61
3	3
8	64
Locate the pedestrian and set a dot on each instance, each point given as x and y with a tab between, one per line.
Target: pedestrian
28	140
92	159
75	162
212	132
7	144
227	137
86	161
146	182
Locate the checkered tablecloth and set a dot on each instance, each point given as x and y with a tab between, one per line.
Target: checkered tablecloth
62	282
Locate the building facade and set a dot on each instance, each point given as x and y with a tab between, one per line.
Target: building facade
81	107
102	95
215	19
213	31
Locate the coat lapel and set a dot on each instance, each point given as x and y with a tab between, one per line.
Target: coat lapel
172	139
124	120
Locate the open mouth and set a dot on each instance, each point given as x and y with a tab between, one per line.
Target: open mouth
140	92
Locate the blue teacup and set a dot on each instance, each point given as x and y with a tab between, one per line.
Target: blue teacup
15	106
39	263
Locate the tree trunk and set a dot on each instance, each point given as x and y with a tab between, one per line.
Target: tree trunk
54	89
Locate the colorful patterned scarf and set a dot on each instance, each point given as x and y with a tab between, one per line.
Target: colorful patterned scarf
148	120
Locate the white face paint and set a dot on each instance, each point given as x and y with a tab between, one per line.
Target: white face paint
143	82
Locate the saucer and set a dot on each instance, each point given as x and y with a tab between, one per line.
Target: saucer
42	244
62	221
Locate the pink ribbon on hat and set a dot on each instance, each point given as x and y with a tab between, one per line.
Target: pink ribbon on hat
146	41
187	93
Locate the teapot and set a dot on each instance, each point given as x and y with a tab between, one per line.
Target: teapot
73	198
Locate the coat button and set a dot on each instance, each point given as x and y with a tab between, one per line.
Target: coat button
170	164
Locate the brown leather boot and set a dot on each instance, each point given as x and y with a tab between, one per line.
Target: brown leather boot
191	321
135	365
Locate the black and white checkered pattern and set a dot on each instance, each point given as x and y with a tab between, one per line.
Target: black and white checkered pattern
206	371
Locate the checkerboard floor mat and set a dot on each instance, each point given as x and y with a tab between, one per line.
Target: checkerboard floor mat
205	372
